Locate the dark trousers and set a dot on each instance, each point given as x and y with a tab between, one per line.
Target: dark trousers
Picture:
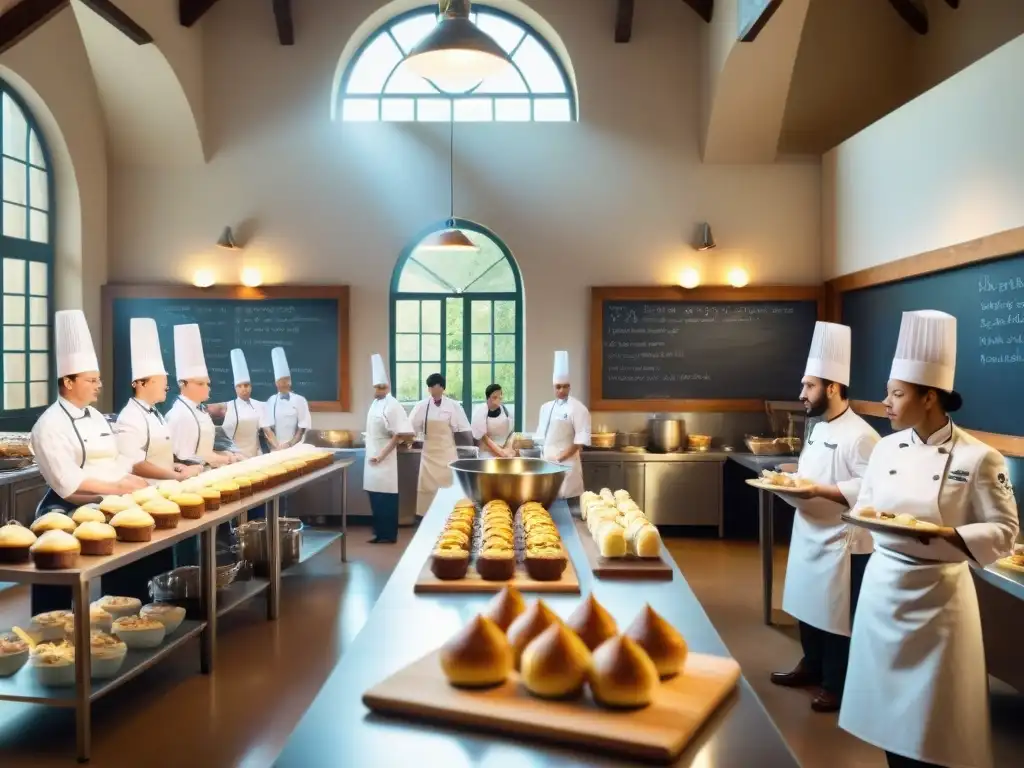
385	515
899	761
826	655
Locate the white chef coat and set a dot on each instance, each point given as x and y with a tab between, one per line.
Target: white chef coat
144	435
817	590
498	428
242	421
286	417
72	445
437	423
562	424
192	431
916	684
385	418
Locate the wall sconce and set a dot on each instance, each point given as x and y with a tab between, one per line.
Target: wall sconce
705	240
689	278
227	240
738	277
252	277
203	278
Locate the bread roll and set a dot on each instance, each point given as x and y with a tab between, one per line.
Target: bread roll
611	540
643	539
478	656
622	675
555	663
660	640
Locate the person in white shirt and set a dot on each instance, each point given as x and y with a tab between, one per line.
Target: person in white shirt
437	418
827	557
917	685
564	428
286	415
387	425
492	425
243	415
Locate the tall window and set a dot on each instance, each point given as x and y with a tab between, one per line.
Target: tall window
27	255
376	86
460	315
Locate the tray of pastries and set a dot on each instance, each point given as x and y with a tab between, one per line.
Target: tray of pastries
780	482
619	539
882	521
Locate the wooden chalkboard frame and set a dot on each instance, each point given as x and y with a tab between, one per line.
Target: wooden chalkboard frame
340	293
964	254
600	294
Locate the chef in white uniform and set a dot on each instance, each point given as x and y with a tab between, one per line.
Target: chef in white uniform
917	682
437	418
492	425
243	415
564	428
286	415
827	556
387	425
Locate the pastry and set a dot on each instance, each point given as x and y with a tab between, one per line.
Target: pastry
139	632
535	619
453	538
49	626
258	480
592	622
190	505
111	505
545	563
164	513
96	539
244	486
13	654
660	640
52	521
643	539
133	525
169	615
15	542
555	663
276	475
53	664
622	675
469	504
611	540
100	619
169	488
296	466
107	655
449	564
55	550
90	513
496	564
229	491
479	656
211	498
143	495
119	607
505	607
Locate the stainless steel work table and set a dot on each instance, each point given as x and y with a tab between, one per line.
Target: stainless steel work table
23	687
337	730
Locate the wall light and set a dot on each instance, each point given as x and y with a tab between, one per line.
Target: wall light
738	277
689	278
203	278
252	277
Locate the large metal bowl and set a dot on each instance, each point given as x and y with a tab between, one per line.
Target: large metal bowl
515	481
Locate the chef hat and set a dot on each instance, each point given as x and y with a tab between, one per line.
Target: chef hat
189	362
75	352
145	342
239	367
281	369
380	373
561	372
829	357
926	350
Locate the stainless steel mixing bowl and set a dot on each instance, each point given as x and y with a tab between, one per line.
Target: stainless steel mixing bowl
515	481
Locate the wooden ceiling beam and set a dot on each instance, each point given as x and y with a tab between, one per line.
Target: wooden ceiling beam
284	21
120	21
624	21
914	13
703	8
762	13
22	19
191	11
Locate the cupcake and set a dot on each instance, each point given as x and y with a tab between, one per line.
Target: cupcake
133	525
53	664
190	504
111	505
169	615
13	654
229	491
496	564
107	655
449	564
90	513
55	550
119	607
143	495
49	626
276	475
165	513
52	521
168	488
211	499
545	563
244	486
15	542
100	619
96	539
295	467
139	632
258	480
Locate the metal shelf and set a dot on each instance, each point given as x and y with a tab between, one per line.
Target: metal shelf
239	592
315	541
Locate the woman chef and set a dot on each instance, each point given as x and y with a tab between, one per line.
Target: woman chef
286	415
437	418
243	414
73	444
387	425
564	428
492	425
917	685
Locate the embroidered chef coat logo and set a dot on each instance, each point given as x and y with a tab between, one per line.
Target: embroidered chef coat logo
960	475
1004	482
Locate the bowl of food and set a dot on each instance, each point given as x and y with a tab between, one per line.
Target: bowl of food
701	443
760	445
515	481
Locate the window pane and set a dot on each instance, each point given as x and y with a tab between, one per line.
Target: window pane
15	129
504	317
38	278
512	110
397	110
505	374
410	31
506	33
38	366
15	221
14	338
14	396
39	393
35	151
415	279
474	110
453	348
407	316
431	346
461	270
498	279
38	338
39	226
407	346
453	376
37	311
425	370
433	110
481	322
15	181
407	388
14	276
509	80
481	347
373	66
505	347
38	193
14	310
404	81
453	329
14	366
432	317
481	378
360	110
552	110
539	69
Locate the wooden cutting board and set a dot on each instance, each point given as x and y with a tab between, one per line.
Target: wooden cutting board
622	567
656	733
428	583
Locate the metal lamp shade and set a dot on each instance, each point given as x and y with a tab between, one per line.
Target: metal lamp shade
449	240
456	55
706	241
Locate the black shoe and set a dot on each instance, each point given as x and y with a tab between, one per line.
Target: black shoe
800	677
826	702
376	540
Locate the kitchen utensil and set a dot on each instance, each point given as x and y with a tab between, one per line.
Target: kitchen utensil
664	435
515	481
761	445
699	443
15	445
631	439
9	464
334	438
603	440
254	547
184	583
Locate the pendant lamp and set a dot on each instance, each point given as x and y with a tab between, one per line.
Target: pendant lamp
456	55
227	240
706	241
451	239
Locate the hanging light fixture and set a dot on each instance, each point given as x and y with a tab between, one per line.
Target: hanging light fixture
456	55
451	239
705	240
227	240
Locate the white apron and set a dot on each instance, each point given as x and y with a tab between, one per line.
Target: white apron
382	477
917	683
158	447
498	429
438	452
559	437
99	446
205	434
246	422
286	419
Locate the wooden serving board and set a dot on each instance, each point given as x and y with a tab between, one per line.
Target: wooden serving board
428	583
628	567
658	732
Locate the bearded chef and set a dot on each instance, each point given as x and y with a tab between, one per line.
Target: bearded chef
286	415
564	428
918	687
243	415
437	418
492	425
827	556
387	425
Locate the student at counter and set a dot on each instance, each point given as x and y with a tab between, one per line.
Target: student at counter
492	425
387	425
243	415
564	428
437	418
917	682
286	415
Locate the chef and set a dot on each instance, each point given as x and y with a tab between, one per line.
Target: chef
243	415
564	428
74	446
437	418
917	682
827	557
387	425
286	415
492	425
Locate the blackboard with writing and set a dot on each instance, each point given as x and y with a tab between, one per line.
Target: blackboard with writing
987	300
679	350
306	328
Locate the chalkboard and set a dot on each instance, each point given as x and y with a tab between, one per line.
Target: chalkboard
684	350
987	300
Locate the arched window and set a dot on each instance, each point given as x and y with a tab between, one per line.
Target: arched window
27	256
375	86
461	315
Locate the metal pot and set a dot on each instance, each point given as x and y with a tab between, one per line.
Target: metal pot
252	539
664	435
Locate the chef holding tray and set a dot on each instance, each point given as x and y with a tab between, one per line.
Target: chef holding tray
917	684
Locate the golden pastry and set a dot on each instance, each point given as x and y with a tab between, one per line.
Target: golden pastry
96	539
592	622
622	675
133	525
55	550
52	521
15	542
505	607
88	513
555	663
479	656
535	619
662	642
450	564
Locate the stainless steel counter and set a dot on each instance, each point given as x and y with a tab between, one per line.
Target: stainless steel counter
648	458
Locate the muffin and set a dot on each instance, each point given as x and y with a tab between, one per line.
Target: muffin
168	488
119	607
53	521
49	626
296	467
449	564
258	480
15	542
100	619
133	525
169	615
165	513
211	499
276	475
244	486
545	563
496	564
139	632
229	491
53	664
143	495
88	513
190	504
55	550
96	539
13	654
107	655
111	505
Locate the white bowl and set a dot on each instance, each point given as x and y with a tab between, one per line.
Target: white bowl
107	665
55	675
10	663
141	638
171	617
130	609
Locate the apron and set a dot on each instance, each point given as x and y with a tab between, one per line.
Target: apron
917	683
205	431
438	452
246	435
158	447
559	436
383	477
286	419
498	429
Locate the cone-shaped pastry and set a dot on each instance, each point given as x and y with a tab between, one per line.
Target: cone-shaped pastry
592	623
622	674
528	625
478	656
661	640
505	607
555	663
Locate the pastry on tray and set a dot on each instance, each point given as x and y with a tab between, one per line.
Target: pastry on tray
662	642
449	564
52	521
555	664
229	491
139	632
903	520
13	654
622	675
535	619
169	488
15	542
107	655
53	664
134	525
190	505
545	563
784	479
55	550
643	539
479	656
96	539
505	607
118	606
169	615
143	495
211	498
90	513
592	622
165	513
496	564
111	505
49	626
